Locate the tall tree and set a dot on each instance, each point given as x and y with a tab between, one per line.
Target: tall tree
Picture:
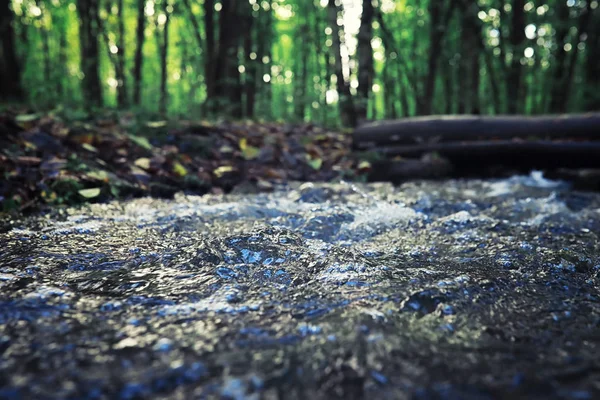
250	79
10	72
45	38
89	31
406	75
301	61
116	49
346	105
561	54
471	49
563	75
591	92
210	46
162	35
122	98
517	39
60	21
365	59
228	89
138	59
265	34
439	19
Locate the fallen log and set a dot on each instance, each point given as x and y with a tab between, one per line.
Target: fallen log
443	129
513	154
582	179
403	170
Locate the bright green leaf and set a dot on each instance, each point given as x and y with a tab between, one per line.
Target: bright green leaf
141	141
315	163
243	144
250	152
179	169
26	118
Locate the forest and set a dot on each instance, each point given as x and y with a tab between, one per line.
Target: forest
328	61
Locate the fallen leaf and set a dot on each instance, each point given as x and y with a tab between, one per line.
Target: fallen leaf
143	163
315	163
274	173
156	124
90	193
364	165
179	169
250	152
83	138
243	144
26	121
25	160
264	185
222	170
141	141
89	147
26	117
98	175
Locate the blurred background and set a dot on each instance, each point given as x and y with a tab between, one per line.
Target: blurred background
328	61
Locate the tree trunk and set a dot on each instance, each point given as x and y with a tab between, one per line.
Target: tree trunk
491	73
61	71
477	49
10	72
562	30
365	59
228	89
122	100
517	38
164	51
264	35
524	155
138	60
564	76
301	66
209	59
449	88
469	128
464	64
389	92
439	22
591	93
250	73
45	38
404	75
346	106
90	57
321	59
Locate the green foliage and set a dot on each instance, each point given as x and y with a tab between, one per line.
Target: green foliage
290	63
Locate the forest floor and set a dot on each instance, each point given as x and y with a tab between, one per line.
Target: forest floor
48	159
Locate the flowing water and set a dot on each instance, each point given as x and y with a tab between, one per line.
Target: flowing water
451	290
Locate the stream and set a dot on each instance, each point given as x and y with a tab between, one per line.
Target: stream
474	289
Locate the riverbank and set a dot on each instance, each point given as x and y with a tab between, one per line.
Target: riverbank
50	159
